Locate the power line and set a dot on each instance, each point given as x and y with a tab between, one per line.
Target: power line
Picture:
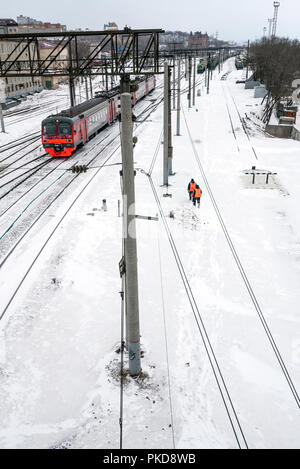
244	276
166	340
229	407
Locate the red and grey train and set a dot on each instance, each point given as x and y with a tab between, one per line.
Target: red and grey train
64	132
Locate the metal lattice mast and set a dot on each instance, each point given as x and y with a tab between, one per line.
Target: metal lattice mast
270	20
276	7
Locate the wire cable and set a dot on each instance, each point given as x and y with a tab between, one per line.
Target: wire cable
229	407
244	275
166	339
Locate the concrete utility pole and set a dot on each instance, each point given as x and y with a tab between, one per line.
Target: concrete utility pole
166	126
168	150
208	74
1	118
174	84
170	147
247	71
71	79
86	88
178	97
190	82
194	82
130	248
91	87
106	76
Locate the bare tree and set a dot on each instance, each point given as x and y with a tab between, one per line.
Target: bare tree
275	63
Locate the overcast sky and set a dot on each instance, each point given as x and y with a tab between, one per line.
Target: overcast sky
234	19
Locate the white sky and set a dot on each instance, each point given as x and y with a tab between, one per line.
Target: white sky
235	19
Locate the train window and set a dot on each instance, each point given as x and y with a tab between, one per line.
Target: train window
64	128
50	128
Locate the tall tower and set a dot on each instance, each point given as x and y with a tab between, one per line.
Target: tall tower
270	20
276	6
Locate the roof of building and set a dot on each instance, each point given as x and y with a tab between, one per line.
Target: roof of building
8	22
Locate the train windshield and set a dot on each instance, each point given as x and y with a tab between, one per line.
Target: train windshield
64	128
50	128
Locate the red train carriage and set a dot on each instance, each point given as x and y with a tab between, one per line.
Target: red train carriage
64	132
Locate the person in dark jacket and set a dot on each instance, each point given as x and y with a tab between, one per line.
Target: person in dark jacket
197	195
191	188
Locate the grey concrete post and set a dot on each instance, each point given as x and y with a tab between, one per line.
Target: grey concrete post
166	125
130	248
194	82
178	97
1	119
190	82
106	76
208	74
247	72
72	91
170	148
91	87
86	88
174	84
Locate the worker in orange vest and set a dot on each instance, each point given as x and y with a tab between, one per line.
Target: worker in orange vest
197	195
191	188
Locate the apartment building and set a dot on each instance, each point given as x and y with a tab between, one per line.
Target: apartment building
16	86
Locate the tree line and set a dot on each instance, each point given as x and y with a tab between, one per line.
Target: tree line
275	63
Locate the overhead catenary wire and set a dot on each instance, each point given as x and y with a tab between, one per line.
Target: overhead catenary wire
226	398
156	153
243	274
166	341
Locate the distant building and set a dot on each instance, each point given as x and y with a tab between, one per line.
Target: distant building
27	20
8	26
27	24
14	86
198	39
111	26
61	62
42	28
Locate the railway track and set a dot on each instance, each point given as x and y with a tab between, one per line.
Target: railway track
235	129
244	276
19	141
10	215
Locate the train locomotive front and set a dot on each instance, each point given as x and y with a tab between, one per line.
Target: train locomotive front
64	132
58	135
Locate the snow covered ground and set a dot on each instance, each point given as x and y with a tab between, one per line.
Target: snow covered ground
60	333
